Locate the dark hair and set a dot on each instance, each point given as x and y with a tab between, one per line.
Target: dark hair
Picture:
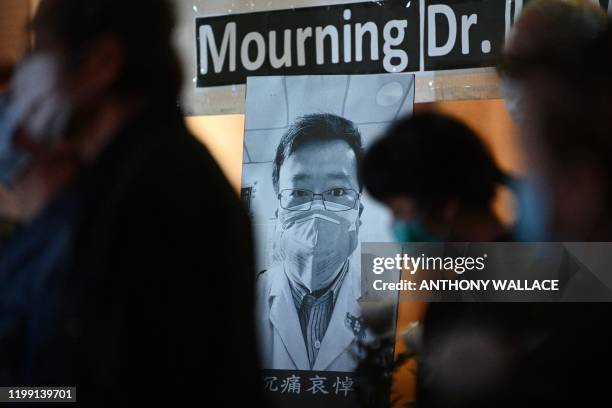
432	159
574	54
143	29
570	38
317	127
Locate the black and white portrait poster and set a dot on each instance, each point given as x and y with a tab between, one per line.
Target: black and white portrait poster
305	137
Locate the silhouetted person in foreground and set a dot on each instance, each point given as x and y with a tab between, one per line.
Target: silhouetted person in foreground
440	181
557	77
438	178
132	278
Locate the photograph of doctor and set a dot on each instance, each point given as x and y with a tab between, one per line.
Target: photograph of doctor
308	313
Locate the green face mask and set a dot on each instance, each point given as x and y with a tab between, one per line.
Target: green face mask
412	231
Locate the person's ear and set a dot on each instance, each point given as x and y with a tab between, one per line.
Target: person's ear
99	70
360	208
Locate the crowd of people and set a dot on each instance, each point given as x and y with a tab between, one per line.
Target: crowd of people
108	281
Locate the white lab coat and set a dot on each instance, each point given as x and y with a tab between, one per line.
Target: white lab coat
280	335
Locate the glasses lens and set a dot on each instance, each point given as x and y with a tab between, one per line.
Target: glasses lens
340	199
296	200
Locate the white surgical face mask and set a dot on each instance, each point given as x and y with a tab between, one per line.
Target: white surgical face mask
314	245
35	104
37	97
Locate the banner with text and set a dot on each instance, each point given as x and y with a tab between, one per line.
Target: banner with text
360	38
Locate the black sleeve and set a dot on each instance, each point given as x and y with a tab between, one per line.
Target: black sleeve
181	289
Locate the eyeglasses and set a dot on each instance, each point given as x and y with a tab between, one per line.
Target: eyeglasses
336	199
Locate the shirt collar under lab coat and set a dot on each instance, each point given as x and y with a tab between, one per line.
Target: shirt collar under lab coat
284	318
299	291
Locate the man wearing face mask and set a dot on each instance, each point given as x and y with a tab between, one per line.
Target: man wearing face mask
557	78
307	308
431	202
107	285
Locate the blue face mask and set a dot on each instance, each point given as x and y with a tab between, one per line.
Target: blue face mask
535	212
12	161
412	231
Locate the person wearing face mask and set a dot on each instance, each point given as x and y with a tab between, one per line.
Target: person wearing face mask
308	315
29	129
113	284
556	73
439	180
